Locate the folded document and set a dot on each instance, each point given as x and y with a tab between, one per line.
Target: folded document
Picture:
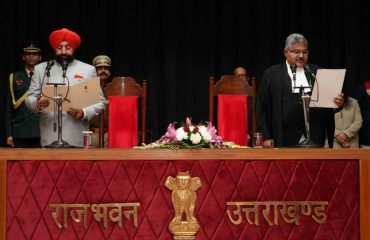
79	95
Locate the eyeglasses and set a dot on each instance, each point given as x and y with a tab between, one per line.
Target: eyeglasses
298	52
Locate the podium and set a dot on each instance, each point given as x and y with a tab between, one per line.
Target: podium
79	95
307	143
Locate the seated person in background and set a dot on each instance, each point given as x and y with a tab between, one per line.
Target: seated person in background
240	72
22	126
363	98
102	64
279	106
348	122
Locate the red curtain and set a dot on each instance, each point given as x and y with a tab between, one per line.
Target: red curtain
123	121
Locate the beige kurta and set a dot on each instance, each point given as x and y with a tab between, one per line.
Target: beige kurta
348	121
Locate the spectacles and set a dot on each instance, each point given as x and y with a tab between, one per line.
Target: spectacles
298	52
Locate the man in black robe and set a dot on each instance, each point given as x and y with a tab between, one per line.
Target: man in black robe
280	113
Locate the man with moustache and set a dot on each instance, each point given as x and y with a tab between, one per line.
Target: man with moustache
102	64
279	106
75	120
22	126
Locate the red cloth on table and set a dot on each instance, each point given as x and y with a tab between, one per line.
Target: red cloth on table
123	121
33	185
232	118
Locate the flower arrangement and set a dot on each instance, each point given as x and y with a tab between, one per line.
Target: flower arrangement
191	136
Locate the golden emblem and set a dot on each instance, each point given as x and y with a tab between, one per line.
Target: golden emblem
184	225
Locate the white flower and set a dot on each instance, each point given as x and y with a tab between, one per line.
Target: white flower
195	138
203	131
181	134
191	128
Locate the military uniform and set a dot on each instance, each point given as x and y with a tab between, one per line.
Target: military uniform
22	126
101	61
20	123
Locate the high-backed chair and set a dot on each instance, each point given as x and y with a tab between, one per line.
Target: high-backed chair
234	85
126	86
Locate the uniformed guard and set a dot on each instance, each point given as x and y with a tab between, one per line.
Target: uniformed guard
22	126
102	64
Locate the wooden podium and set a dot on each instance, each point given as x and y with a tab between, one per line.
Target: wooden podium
362	156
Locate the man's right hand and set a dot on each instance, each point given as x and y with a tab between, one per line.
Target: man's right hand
42	102
9	141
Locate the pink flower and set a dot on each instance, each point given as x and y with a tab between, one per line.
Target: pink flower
211	130
217	140
189	135
187	125
188	122
170	135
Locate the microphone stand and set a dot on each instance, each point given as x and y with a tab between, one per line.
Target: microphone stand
58	100
308	143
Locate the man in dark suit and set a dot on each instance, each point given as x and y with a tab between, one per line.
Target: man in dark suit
22	126
363	98
279	105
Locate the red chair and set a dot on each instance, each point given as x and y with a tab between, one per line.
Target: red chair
233	85
124	87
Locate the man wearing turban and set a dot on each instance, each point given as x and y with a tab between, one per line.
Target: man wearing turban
63	68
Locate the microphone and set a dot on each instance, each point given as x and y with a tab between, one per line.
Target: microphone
48	67
308	69
293	67
64	67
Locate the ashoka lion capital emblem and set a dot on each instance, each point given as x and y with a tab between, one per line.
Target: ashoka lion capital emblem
184	225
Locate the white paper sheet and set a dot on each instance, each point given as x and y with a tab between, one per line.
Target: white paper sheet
80	95
329	83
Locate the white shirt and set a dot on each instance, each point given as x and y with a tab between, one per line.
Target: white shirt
28	72
301	79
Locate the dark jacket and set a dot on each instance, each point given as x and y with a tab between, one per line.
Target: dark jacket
280	112
363	100
20	122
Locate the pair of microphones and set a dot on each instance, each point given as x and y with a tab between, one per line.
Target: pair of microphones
50	64
306	68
